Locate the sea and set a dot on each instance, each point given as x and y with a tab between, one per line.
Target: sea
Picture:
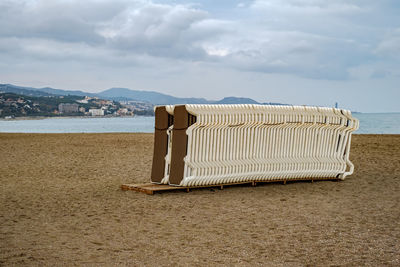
370	123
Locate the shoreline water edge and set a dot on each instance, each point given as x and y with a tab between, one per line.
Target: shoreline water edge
370	123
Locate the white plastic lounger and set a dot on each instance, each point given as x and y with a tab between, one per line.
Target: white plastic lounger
221	144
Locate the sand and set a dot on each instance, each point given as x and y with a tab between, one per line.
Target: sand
61	205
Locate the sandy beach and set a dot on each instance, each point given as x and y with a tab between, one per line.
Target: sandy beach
61	205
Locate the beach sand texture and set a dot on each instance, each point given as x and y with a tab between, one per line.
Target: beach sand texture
61	204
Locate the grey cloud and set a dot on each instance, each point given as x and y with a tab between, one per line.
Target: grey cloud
379	74
23	50
390	45
319	7
163	30
139	27
296	53
69	21
277	36
314	38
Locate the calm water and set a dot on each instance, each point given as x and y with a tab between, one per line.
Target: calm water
370	123
378	123
80	125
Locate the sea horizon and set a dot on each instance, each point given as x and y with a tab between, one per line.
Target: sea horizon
370	123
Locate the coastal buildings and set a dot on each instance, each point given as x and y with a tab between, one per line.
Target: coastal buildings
65	108
96	112
20	105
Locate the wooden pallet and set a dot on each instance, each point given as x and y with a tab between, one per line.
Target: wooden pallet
151	188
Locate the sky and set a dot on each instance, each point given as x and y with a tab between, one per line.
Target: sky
302	52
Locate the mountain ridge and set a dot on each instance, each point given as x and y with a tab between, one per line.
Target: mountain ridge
153	97
126	94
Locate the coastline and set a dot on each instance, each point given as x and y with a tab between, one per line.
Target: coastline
62	117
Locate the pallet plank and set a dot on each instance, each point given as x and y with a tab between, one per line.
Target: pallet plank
151	188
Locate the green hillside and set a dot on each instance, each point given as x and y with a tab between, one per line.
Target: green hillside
17	105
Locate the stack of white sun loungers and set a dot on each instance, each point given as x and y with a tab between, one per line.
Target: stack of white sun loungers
221	144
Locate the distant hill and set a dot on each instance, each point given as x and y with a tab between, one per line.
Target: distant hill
236	100
125	94
53	91
46	91
164	99
28	91
150	96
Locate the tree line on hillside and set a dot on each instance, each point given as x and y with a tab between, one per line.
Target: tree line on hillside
16	105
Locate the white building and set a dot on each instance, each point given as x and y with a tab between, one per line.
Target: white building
96	112
68	108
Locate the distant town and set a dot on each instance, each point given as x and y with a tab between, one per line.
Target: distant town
19	101
16	105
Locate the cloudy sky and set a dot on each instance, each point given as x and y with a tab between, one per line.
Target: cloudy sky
314	52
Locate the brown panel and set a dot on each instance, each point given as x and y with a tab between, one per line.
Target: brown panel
182	120
162	121
179	144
